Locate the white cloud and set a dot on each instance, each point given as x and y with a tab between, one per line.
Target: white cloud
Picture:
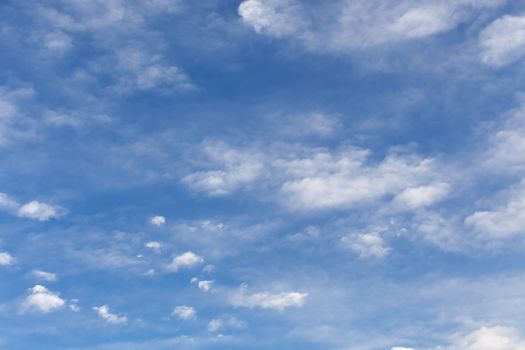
506	152
43	275
326	180
277	301
42	300
104	313
184	312
158	220
506	220
6	259
349	24
185	260
278	18
7	203
366	245
204	285
153	245
38	211
401	348
238	168
421	196
490	338
503	41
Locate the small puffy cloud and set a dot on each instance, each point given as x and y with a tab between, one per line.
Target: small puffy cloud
184	312
421	196
6	259
504	221
490	338
45	276
38	211
185	260
158	220
264	300
503	41
105	314
366	245
42	300
401	348
153	245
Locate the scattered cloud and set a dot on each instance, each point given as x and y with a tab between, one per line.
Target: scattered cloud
238	168
503	41
490	338
42	300
421	196
184	312
185	260
204	285
6	259
158	220
504	221
45	276
224	323
264	300
153	245
38	211
366	245
105	314
347	25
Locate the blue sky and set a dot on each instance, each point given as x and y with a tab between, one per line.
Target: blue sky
262	174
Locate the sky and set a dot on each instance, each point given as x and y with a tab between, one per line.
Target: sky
262	174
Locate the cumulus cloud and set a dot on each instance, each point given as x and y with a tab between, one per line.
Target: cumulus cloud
6	259
490	338
105	314
401	348
184	312
350	24
45	276
38	211
42	300
264	300
366	245
185	260
158	220
504	221
503	41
